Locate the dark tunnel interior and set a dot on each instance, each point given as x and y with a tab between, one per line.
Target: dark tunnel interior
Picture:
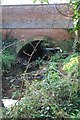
34	50
27	51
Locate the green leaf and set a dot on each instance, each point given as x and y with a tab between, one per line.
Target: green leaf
34	1
78	115
45	1
42	1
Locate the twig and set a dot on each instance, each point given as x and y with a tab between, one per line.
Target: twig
26	53
59	72
10	45
62	13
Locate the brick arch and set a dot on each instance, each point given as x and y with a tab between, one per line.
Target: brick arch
20	44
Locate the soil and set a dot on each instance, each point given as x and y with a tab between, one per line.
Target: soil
12	81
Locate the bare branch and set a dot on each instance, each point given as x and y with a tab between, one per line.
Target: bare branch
62	13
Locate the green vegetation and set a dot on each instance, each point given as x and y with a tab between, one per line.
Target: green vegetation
56	96
8	61
42	1
71	62
8	54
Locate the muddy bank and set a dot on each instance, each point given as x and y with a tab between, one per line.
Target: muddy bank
12	81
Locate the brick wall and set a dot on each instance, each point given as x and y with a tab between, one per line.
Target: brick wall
24	22
56	34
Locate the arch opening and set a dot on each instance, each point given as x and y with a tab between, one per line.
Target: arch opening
33	51
30	52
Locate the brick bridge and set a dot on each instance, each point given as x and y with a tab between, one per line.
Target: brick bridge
36	22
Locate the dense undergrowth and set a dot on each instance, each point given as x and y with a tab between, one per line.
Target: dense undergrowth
8	60
8	54
56	96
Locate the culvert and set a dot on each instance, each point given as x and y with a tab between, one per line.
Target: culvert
34	50
31	51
